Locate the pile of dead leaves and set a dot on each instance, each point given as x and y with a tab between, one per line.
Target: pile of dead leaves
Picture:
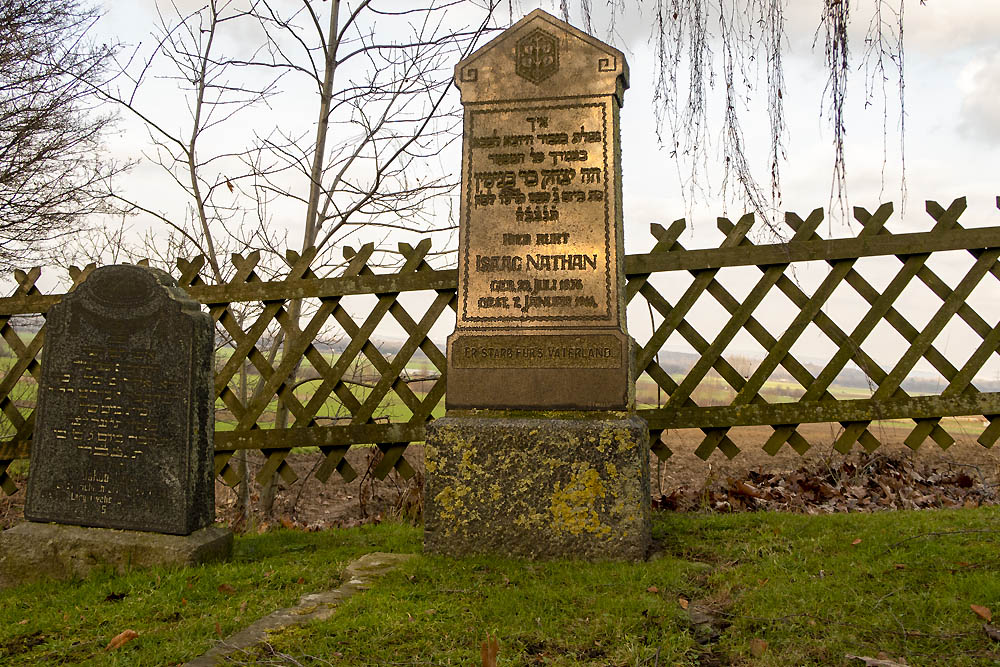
863	483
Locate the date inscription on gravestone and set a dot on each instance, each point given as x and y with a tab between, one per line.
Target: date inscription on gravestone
124	419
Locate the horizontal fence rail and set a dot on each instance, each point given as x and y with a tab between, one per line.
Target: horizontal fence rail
260	392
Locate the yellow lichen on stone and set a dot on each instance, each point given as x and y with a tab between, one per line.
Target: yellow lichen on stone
573	506
452	507
430	458
468	469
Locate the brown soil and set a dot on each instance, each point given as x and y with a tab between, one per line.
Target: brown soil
966	474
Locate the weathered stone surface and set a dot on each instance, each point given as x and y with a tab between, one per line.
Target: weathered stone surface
35	551
538	487
541	309
124	423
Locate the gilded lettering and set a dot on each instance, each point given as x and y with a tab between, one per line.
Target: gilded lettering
488	263
568	262
553	138
568	156
562	177
506	158
585	137
488	179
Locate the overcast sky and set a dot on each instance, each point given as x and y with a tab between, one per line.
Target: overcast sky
952	147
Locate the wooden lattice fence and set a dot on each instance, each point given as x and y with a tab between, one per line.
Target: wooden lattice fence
362	421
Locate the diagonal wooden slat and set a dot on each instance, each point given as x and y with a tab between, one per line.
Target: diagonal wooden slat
741	315
937	322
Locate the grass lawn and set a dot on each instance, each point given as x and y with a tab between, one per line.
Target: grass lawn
753	589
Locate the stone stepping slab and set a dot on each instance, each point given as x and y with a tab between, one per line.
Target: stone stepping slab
358	576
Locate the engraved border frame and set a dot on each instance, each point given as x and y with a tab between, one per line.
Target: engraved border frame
608	314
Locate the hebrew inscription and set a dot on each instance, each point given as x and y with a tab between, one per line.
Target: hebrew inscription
538	240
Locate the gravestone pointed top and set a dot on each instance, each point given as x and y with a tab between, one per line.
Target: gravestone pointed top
541	56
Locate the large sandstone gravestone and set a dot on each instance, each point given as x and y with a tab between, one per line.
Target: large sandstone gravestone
541	453
541	309
123	429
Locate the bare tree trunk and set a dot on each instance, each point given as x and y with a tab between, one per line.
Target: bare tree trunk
311	228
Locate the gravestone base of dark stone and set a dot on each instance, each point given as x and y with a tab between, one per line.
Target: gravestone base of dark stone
33	551
566	485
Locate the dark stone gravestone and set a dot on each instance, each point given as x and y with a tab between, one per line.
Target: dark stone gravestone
123	429
541	453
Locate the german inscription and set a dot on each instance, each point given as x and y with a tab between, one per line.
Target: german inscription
123	427
538	246
538	351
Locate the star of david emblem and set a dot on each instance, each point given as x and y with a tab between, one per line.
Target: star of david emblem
537	56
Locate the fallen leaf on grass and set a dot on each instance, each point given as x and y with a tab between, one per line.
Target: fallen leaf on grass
982	612
218	629
683	602
488	651
757	647
652	589
226	589
121	638
991	632
243	606
875	662
22	621
856	542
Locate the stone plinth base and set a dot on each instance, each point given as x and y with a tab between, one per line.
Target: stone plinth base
33	551
538	488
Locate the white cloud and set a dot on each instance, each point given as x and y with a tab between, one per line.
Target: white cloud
979	83
949	25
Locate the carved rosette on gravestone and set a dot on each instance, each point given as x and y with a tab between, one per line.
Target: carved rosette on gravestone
541	313
124	422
